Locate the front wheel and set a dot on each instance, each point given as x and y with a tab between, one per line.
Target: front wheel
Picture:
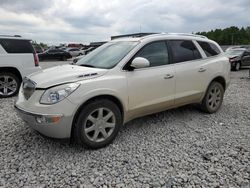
98	124
9	84
237	66
213	98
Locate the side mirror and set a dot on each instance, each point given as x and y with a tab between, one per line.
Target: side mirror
140	62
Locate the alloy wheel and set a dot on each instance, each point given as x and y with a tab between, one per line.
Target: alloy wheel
214	97
8	85
237	66
99	124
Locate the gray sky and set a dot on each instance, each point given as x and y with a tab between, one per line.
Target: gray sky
55	21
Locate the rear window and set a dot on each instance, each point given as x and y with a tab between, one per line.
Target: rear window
210	49
183	50
17	46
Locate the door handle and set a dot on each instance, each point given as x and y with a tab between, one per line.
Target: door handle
202	69
168	76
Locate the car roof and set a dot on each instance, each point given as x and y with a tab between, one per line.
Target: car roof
15	37
182	36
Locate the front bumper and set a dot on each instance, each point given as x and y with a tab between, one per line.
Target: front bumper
50	125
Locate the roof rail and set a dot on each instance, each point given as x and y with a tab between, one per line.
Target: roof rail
10	36
188	34
133	35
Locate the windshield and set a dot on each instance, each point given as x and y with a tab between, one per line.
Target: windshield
234	52
108	55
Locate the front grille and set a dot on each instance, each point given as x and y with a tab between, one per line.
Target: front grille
28	88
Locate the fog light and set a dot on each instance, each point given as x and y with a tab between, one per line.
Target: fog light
40	119
48	119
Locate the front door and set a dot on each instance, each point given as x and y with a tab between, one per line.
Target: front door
151	89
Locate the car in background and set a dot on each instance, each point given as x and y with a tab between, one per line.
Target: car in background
54	54
76	59
17	60
38	48
75	51
90	49
238	57
122	80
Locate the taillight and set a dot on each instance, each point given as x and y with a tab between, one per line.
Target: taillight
36	60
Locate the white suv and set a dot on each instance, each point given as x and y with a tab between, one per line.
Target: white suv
17	60
121	80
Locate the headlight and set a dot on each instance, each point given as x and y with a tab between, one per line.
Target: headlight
58	93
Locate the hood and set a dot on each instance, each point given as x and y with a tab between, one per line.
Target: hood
64	74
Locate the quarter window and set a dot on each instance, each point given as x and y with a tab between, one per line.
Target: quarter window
17	46
183	50
156	53
210	49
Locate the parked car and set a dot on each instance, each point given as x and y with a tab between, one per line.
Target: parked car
54	54
76	59
17	60
238	57
75	51
90	49
38	48
122	80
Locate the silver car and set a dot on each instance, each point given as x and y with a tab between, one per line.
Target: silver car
122	80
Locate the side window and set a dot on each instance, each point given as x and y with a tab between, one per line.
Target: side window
16	46
246	53
210	49
55	51
183	50
52	51
156	53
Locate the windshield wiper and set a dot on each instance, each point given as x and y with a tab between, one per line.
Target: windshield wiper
86	65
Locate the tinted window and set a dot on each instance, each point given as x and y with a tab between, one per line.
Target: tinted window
209	48
183	50
156	53
246	53
16	46
55	51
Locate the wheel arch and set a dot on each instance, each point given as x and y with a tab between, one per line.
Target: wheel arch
219	79
98	97
12	70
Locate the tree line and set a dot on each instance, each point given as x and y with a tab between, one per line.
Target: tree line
229	36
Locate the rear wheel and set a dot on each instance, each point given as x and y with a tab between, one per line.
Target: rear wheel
213	98
98	124
9	84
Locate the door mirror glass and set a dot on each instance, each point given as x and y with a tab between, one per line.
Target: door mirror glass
140	62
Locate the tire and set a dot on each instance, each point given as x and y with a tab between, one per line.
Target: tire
213	98
237	66
9	84
89	128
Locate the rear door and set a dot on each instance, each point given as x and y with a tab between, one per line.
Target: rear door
151	89
190	71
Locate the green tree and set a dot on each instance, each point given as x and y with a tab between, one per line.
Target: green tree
229	36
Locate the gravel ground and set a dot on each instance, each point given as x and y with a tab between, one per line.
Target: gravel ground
176	148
